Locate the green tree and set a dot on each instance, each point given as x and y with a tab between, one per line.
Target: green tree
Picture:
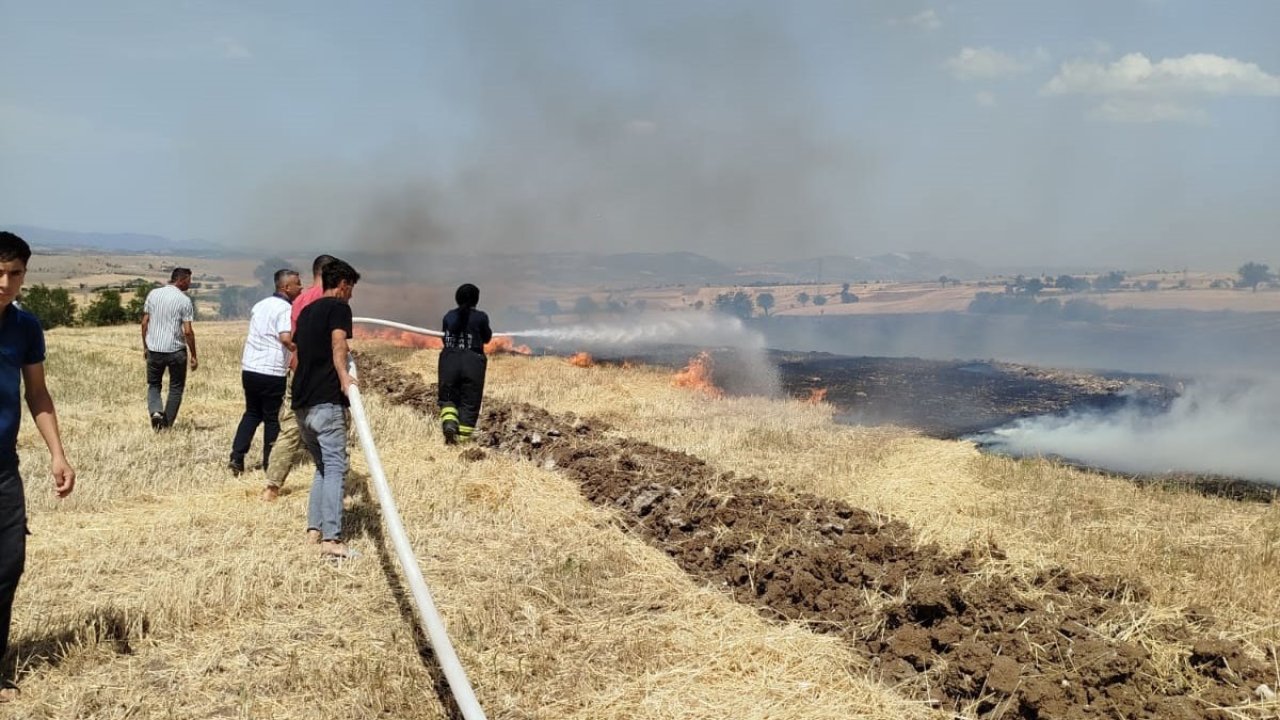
585	306
1252	274
803	298
548	308
1071	283
765	301
53	307
735	303
133	311
1110	281
847	297
235	301
106	309
819	300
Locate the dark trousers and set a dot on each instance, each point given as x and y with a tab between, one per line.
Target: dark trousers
176	364
13	546
461	382
263	395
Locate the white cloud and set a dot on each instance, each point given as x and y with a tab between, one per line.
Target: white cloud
984	63
926	20
1134	74
985	99
1136	90
233	49
1146	111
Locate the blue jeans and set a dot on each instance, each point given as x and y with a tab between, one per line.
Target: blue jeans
324	433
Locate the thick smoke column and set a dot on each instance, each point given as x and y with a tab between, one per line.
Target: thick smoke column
1214	428
696	329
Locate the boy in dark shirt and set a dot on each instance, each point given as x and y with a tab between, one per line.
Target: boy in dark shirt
460	374
320	386
21	363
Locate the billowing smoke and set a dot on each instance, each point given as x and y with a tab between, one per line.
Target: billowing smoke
1215	427
608	128
650	330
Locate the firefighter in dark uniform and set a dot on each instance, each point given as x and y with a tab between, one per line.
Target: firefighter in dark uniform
462	365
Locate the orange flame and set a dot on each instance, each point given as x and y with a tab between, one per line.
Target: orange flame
582	360
817	396
399	338
504	344
697	375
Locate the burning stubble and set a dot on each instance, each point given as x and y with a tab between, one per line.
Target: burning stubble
648	330
1215	427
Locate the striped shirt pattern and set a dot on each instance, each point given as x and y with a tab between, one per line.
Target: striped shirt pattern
263	351
168	307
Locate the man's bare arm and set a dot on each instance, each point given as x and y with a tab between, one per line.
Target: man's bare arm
189	334
338	340
146	322
40	404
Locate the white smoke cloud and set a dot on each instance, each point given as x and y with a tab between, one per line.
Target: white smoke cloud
703	329
1213	428
696	329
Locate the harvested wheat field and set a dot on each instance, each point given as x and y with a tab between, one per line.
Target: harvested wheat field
615	547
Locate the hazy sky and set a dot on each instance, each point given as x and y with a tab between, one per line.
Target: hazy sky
1133	133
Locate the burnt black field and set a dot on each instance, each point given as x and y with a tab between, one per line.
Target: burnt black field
955	399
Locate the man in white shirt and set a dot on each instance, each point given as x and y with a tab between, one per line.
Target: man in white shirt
263	368
167	339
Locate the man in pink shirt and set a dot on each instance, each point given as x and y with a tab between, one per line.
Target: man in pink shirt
288	448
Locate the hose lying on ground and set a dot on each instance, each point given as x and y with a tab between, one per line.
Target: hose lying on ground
428	617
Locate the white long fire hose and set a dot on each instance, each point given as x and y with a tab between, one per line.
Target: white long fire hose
428	617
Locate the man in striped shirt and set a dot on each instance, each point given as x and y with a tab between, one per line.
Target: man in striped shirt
263	367
168	343
288	449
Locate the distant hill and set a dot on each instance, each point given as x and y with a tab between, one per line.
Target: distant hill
124	243
620	270
903	266
674	268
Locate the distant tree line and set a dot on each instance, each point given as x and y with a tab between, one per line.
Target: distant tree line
1078	309
55	307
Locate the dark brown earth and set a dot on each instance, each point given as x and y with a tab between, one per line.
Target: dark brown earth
953	628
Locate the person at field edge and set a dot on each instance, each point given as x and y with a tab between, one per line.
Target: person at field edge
320	386
22	354
264	366
168	342
288	448
462	367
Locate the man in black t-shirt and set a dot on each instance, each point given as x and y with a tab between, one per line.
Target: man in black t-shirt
320	386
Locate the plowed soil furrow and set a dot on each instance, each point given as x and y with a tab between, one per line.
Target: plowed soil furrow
953	627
